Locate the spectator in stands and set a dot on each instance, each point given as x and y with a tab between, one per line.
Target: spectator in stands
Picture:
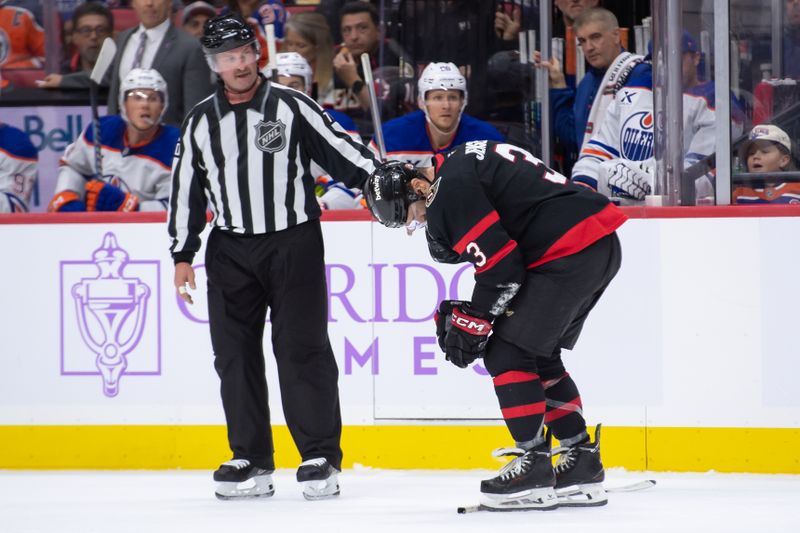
791	40
18	164
195	16
508	21
92	22
21	38
308	34
259	13
768	151
569	10
360	30
440	123
156	43
295	72
616	156
136	148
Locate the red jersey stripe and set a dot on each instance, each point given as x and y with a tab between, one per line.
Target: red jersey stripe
523	410
476	231
514	376
586	232
496	258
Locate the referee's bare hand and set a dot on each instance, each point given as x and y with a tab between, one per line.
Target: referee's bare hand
184	275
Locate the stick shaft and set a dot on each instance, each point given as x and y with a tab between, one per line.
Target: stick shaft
373	105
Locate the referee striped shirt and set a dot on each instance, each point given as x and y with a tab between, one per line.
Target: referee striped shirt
250	164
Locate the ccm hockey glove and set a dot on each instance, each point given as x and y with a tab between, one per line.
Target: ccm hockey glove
102	196
461	333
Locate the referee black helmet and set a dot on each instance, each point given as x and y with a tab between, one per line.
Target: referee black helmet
388	193
226	32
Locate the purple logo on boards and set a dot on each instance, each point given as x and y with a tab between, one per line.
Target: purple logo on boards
110	323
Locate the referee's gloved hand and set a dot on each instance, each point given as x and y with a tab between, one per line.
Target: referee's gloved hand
462	332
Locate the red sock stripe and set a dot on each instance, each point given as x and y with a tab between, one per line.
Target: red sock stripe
523	410
555	381
574	406
514	376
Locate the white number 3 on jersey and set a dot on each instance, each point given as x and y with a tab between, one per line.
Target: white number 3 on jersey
473	249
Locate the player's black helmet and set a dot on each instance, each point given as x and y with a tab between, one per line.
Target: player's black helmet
388	193
226	32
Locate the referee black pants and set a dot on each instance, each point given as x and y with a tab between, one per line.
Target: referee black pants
285	272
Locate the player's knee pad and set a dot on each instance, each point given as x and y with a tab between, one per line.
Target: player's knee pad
503	356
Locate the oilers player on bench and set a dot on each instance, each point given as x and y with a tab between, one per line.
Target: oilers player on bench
136	152
544	250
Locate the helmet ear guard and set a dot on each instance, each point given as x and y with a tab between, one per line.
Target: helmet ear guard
388	193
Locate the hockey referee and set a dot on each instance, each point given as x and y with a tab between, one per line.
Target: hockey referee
245	154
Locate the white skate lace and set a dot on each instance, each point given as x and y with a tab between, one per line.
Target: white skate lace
566	459
314	462
238	464
517	466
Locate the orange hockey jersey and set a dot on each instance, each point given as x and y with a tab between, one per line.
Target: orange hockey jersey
21	39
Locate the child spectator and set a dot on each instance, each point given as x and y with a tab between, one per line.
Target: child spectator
767	151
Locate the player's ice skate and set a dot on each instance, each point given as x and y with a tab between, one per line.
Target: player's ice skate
238	479
320	479
579	467
526	483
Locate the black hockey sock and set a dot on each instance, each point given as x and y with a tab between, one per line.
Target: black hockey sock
521	398
564	414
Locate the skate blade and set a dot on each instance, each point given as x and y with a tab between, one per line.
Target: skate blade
542	499
321	489
587	495
255	487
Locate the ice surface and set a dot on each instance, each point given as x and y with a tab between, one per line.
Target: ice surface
384	500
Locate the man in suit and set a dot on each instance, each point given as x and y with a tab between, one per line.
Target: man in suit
155	43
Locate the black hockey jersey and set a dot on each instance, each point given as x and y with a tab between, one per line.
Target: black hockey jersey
499	207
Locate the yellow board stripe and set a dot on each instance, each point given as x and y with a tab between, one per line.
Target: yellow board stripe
759	450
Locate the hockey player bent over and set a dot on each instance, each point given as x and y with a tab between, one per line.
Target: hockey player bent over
544	250
136	149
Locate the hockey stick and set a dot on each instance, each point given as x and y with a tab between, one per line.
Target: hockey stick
272	60
104	60
632	487
373	105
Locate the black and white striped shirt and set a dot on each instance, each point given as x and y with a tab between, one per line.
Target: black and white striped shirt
250	164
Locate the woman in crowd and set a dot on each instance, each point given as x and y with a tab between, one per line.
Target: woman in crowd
308	34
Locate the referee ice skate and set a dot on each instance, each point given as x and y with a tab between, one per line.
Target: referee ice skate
544	251
245	154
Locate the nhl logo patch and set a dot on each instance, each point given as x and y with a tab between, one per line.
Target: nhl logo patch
270	136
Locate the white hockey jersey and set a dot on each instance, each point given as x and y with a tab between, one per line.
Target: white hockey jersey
143	170
627	131
18	164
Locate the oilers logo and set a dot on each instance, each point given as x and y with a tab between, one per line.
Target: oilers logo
636	137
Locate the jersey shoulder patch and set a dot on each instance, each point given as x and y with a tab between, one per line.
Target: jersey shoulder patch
432	194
